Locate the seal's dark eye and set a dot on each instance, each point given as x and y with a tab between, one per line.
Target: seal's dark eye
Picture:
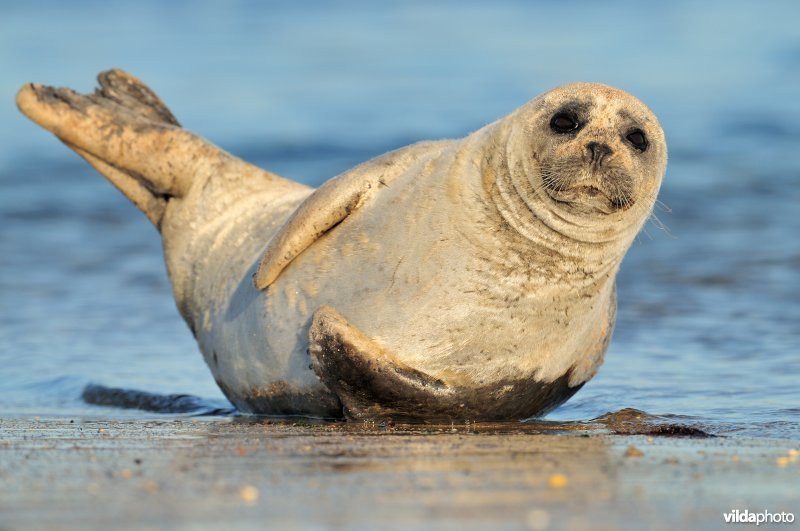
638	139
564	123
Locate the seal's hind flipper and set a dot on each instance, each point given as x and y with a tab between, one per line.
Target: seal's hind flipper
122	125
372	383
129	92
150	204
127	133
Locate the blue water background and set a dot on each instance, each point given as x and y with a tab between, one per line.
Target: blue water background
709	307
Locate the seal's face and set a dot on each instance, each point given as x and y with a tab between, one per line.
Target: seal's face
596	150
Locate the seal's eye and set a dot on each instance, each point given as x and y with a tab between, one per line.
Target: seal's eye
564	123
637	139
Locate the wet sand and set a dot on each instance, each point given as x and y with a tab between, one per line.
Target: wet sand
236	473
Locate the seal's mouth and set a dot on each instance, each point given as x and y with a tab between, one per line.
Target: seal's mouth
588	199
587	187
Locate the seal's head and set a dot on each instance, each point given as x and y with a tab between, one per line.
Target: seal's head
588	152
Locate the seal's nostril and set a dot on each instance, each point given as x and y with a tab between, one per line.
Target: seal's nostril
598	151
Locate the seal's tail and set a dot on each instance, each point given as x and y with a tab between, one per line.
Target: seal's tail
126	132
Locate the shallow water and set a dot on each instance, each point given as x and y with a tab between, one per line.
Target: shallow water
709	308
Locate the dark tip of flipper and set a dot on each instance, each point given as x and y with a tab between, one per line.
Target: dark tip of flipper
131	93
100	395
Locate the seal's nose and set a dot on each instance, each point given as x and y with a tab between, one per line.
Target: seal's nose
598	151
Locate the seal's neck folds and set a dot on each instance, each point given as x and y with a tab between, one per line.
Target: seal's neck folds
596	244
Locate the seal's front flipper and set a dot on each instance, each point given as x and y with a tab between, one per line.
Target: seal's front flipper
328	206
331	203
369	381
372	383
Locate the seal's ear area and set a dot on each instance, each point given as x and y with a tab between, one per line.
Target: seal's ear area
369	381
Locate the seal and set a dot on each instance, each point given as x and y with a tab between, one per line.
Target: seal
456	279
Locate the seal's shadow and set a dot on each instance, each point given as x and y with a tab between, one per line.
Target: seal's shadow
245	294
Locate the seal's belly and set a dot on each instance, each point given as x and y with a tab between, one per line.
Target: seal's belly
414	291
258	343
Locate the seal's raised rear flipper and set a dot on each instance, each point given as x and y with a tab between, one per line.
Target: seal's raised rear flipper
372	383
126	132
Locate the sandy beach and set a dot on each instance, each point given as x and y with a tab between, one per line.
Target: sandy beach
243	473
